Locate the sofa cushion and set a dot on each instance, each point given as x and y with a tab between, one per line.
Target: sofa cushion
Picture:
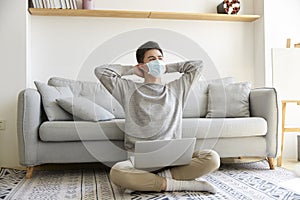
224	127
84	109
49	95
93	91
60	131
201	128
228	100
197	100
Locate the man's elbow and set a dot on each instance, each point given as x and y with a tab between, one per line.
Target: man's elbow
100	72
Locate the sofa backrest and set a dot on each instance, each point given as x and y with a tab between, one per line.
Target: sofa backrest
195	106
196	103
93	91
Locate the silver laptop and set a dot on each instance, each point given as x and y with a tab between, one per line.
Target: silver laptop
156	154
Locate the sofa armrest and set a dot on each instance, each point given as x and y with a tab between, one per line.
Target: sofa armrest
28	122
264	103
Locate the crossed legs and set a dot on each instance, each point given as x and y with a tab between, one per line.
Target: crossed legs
125	175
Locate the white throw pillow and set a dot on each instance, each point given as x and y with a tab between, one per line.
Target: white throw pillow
228	100
84	109
49	95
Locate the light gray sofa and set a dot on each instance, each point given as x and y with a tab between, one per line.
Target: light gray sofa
42	141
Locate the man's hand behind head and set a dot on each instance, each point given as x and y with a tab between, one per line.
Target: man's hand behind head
140	69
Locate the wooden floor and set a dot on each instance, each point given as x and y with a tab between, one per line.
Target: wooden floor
290	164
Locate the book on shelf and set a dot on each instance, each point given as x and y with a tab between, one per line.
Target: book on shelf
55	4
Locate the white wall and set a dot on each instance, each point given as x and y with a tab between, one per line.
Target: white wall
259	45
286	80
282	22
60	45
13	74
168	5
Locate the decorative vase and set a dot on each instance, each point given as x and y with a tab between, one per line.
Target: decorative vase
88	4
229	7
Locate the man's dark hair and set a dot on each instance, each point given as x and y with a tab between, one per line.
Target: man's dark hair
140	52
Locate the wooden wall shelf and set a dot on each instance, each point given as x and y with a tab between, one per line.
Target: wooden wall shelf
142	14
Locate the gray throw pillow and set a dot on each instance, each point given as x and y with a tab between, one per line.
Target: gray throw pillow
228	100
93	91
49	95
84	109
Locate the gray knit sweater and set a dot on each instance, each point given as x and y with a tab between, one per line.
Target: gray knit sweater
152	111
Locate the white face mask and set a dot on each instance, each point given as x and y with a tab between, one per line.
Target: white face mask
156	68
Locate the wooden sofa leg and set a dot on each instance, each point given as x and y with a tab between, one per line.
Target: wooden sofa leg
29	171
271	163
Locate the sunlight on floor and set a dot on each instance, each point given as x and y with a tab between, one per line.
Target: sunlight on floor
292	184
290	164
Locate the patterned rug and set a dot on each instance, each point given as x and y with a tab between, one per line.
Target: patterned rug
232	181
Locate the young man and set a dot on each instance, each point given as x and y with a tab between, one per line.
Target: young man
153	111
